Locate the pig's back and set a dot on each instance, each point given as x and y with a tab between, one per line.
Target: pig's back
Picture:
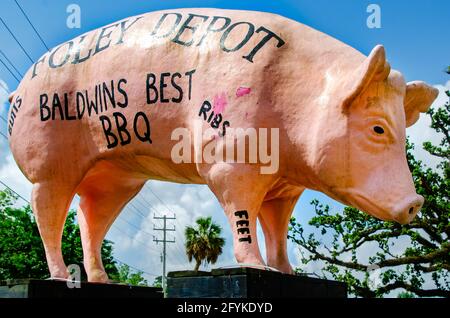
125	71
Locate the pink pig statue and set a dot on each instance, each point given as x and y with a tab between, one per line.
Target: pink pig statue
95	116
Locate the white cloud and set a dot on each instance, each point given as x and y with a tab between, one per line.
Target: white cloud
421	131
13	177
187	203
4	104
3	94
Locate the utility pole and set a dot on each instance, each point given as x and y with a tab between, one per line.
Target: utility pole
164	241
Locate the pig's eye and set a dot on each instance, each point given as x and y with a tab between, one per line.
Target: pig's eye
379	130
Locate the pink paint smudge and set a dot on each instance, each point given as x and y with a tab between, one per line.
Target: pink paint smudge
219	103
241	91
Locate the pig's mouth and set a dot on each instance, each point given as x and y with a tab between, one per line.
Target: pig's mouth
363	203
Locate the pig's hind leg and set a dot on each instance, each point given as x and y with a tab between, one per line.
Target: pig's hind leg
103	194
50	201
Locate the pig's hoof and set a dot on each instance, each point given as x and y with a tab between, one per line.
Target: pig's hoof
289	271
99	277
58	278
284	268
59	275
252	264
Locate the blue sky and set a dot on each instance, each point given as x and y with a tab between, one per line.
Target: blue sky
414	33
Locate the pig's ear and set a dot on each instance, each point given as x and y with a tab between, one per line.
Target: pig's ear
374	68
418	98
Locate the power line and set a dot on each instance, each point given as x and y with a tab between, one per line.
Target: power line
135	268
132	238
4	135
149	205
179	254
11	189
135	226
4	87
137	210
159	199
9	70
11	63
17	41
144	206
4	119
179	250
143	198
29	21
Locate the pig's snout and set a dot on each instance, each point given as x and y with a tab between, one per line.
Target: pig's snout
405	211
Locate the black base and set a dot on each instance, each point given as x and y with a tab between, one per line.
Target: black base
33	288
250	283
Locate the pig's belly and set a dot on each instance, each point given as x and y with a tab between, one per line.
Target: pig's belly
166	170
145	167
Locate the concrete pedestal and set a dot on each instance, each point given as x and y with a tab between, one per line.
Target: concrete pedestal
250	283
33	288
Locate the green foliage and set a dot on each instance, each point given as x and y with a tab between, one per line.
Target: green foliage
127	276
406	295
203	242
157	282
22	253
447	70
428	251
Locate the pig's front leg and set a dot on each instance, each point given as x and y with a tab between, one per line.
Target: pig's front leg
241	191
274	217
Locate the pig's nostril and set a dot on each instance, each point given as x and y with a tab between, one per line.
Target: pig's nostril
411	210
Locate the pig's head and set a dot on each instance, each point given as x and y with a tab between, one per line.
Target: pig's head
360	134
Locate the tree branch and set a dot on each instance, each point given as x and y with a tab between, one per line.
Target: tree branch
390	234
418	224
368	293
327	258
418	291
433	268
443	252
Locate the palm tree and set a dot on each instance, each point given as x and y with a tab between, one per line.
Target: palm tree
203	242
